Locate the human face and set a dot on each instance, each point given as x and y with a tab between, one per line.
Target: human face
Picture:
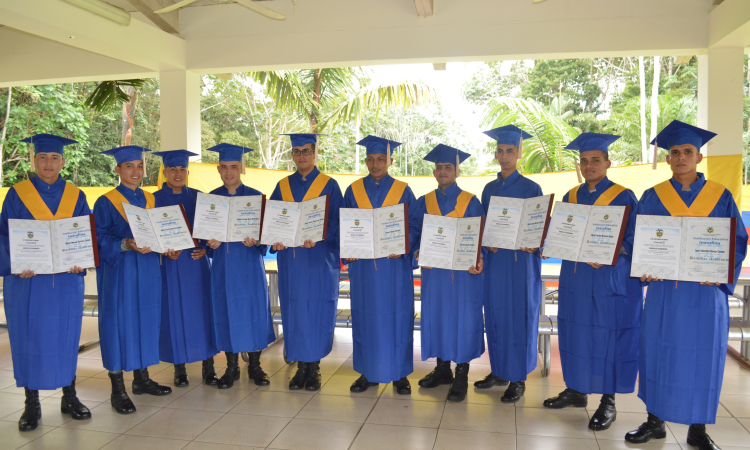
594	165
684	159
131	173
507	156
303	162
48	166
377	165
445	174
176	176
230	173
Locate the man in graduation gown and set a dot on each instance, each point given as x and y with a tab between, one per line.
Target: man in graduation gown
683	344
186	332
452	328
128	282
44	311
309	274
513	283
239	290
382	290
599	316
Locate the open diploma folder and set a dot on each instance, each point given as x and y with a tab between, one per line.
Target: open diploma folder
699	249
450	242
513	223
228	219
52	246
292	223
160	229
374	233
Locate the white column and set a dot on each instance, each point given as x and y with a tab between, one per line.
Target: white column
180	111
721	92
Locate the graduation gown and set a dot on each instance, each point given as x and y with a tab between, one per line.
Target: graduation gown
129	287
239	290
452	327
186	333
685	325
43	312
309	278
599	314
382	295
512	293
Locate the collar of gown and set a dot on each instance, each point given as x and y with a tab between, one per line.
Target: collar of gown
511	178
453	189
696	186
370	180
44	187
310	176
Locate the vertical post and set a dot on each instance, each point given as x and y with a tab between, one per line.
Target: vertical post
180	111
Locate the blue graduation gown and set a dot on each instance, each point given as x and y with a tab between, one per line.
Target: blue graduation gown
309	280
452	327
186	325
239	291
43	312
129	287
382	301
599	314
512	293
684	331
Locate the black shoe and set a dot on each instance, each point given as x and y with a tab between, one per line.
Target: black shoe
298	380
605	414
568	397
490	381
180	376
232	373
361	385
697	437
514	392
403	387
142	384
441	375
653	428
460	383
254	371
209	373
313	380
32	413
119	399
71	405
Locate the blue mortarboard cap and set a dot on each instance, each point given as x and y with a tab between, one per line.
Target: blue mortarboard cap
48	143
592	141
300	139
508	135
442	154
679	133
375	144
230	152
127	153
175	158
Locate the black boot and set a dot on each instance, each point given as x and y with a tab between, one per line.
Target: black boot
180	376
361	385
209	373
441	375
254	371
232	373
119	399
490	381
514	392
71	405
653	428
605	414
313	380
568	397
142	384
460	383
403	387
30	418
697	437
298	380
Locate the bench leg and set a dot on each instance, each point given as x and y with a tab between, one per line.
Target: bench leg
546	355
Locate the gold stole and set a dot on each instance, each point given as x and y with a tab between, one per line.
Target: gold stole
36	206
314	192
393	197
462	202
702	205
603	200
117	200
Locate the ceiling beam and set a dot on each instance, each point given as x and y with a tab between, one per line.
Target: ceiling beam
425	8
169	22
729	24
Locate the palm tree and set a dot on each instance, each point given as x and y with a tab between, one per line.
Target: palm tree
111	94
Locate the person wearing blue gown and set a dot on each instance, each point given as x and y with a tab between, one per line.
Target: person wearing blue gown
600	306
128	282
44	311
186	332
239	290
309	274
685	325
513	283
452	328
382	290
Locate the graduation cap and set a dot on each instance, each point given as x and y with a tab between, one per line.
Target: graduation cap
300	139
127	153
231	152
679	133
375	145
442	154
175	158
47	143
508	135
592	141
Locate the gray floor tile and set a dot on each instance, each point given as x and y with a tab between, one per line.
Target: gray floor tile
301	434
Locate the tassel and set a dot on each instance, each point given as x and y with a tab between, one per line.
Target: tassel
316	151
675	284
242	161
578	171
653	167
32	164
458	171
388	155
575	267
376	265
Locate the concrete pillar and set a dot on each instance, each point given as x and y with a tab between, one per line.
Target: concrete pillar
180	111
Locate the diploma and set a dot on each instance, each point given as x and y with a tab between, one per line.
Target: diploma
292	223
374	233
160	229
245	217
450	243
75	242
228	219
30	246
513	223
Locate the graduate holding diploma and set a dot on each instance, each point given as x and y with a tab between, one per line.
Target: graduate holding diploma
683	342
44	311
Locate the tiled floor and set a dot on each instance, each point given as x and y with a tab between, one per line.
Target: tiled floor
245	417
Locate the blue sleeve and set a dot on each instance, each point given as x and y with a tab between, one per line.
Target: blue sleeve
349	200
486	197
275	195
536	191
9	212
628	198
740	239
332	235
106	231
416	217
566	197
